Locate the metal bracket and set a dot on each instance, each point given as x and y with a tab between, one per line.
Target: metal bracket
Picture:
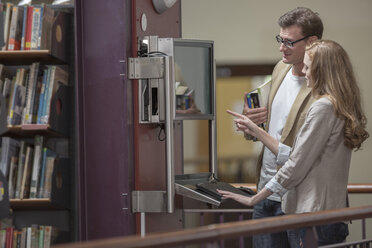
146	67
149	201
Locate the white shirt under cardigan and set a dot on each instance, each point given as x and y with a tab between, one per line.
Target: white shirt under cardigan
314	176
282	104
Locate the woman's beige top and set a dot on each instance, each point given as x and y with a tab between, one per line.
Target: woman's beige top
315	176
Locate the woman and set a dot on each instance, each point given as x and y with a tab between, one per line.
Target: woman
314	172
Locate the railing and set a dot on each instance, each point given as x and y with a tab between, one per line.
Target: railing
213	233
352	188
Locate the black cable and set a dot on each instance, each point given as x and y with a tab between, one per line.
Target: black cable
157	53
162	129
152	54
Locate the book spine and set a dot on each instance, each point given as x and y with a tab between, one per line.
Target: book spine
18	29
28	35
256	103
40	191
8	17
15	34
31	92
21	165
24	27
26	177
47	236
12	28
249	100
48	92
36	166
12	173
13	96
29	237
40	27
41	98
48	177
35	27
18	104
35	100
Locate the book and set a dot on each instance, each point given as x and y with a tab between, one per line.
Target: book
12	175
1	25
35	176
42	7
21	165
7	20
23	237
15	237
2	237
26	176
262	92
18	100
42	96
45	94
45	154
1	77
36	15
47	190
9	236
41	236
24	27
47	236
34	236
11	97
35	101
28	237
31	91
57	78
6	89
9	148
259	97
15	32
28	31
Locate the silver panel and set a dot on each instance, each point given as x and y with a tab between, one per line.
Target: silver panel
146	67
149	201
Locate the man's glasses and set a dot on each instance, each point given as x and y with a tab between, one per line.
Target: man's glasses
288	43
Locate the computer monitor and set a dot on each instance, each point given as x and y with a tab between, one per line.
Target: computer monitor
194	77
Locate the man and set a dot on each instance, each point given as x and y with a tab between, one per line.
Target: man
288	102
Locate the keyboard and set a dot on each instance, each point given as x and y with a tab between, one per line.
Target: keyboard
210	188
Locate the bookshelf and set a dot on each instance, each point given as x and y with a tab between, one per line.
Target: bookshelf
52	204
27	57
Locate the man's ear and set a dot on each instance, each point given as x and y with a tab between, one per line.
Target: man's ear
312	39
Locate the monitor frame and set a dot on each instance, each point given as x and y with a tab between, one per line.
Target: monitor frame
168	47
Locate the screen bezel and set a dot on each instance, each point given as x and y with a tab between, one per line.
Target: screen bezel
167	45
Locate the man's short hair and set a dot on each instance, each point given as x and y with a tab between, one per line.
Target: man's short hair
305	18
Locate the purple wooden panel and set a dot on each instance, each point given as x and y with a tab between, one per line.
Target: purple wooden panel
104	118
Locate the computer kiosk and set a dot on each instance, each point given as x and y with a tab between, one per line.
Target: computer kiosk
176	82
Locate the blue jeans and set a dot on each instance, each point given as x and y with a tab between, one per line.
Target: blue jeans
327	235
269	208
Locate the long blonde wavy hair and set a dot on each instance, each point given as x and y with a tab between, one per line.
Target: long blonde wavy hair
332	75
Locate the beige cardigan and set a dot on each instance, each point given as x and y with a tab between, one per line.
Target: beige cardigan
316	173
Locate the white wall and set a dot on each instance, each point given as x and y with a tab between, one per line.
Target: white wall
244	31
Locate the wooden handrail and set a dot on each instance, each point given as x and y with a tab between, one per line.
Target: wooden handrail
352	188
229	230
359	188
